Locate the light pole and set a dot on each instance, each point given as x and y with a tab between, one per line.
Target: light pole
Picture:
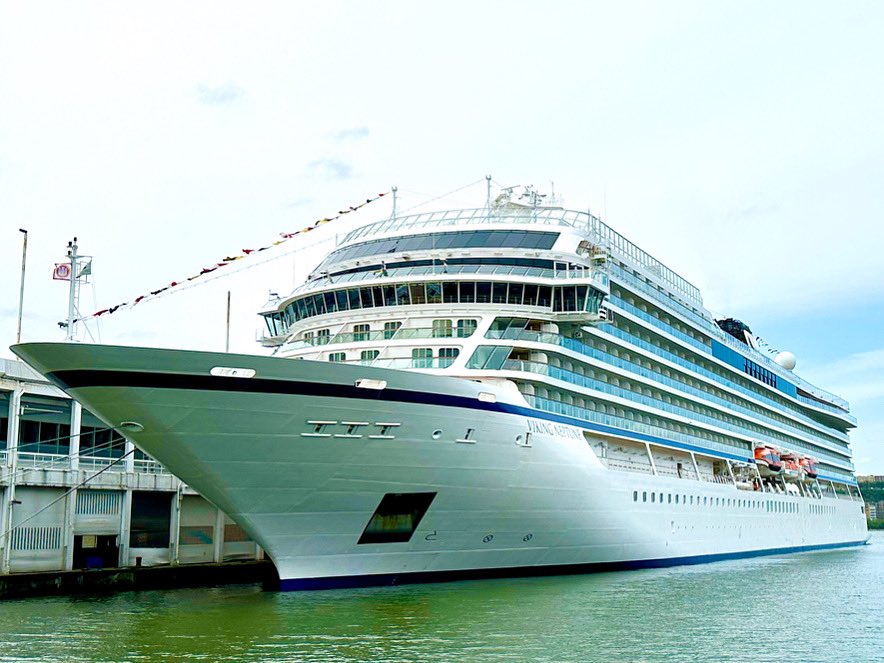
21	294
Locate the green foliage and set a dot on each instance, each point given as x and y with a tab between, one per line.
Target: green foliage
876	524
872	491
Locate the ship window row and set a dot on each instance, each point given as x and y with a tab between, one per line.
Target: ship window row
700	359
586	408
518	329
770	506
655	399
556	298
641	338
441	328
584	375
652	370
420	358
759	373
470	239
598	379
473	264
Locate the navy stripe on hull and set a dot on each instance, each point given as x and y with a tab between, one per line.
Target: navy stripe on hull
390	579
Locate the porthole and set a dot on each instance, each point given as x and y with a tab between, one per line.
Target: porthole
437	434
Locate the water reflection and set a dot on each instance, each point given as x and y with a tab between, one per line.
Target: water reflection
814	606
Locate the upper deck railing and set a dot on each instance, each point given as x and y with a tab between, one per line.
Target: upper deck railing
593	228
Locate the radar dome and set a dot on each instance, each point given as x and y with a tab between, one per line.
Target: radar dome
786	360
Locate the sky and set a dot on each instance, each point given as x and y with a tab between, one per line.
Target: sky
741	143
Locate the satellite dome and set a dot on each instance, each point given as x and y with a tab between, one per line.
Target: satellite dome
786	360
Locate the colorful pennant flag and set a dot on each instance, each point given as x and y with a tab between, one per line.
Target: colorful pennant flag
62	271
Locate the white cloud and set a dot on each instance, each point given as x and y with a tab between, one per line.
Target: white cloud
217	95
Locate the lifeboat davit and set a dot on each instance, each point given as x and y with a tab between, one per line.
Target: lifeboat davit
791	467
768	461
810	467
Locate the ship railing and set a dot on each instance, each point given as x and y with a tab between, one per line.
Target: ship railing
589	351
630	338
570	377
663	297
42	461
582	348
558	407
476	216
149	466
596	230
659	324
100	462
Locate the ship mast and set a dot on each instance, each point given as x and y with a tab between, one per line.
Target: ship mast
72	294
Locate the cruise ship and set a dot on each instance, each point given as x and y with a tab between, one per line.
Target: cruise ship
515	389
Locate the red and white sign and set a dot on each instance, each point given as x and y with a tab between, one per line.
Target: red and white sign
62	272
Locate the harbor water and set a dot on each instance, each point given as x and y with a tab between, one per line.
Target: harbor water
820	606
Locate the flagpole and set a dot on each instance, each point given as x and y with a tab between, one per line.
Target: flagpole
227	342
72	254
21	293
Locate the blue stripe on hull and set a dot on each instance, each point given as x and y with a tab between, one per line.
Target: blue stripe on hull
387	579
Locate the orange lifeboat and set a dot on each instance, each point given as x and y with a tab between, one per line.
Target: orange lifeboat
810	467
768	461
791	467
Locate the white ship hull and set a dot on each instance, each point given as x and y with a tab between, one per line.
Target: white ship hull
515	491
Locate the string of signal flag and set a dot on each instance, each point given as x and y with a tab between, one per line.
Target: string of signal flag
62	270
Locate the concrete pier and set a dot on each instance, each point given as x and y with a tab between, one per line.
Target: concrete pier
93	581
82	508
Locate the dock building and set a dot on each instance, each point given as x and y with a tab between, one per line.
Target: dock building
78	495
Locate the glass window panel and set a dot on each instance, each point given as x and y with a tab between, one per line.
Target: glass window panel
365	297
466	327
402	296
530	296
330	304
544	295
341	300
353	296
498	293
581	297
569	298
390	295
515	293
390	328
311	307
483	292
476	239
422	357
442	328
434	293
449	292
418	293
468	291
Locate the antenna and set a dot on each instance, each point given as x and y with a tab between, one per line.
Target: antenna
488	191
395	200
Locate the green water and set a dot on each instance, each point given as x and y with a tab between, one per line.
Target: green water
825	606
